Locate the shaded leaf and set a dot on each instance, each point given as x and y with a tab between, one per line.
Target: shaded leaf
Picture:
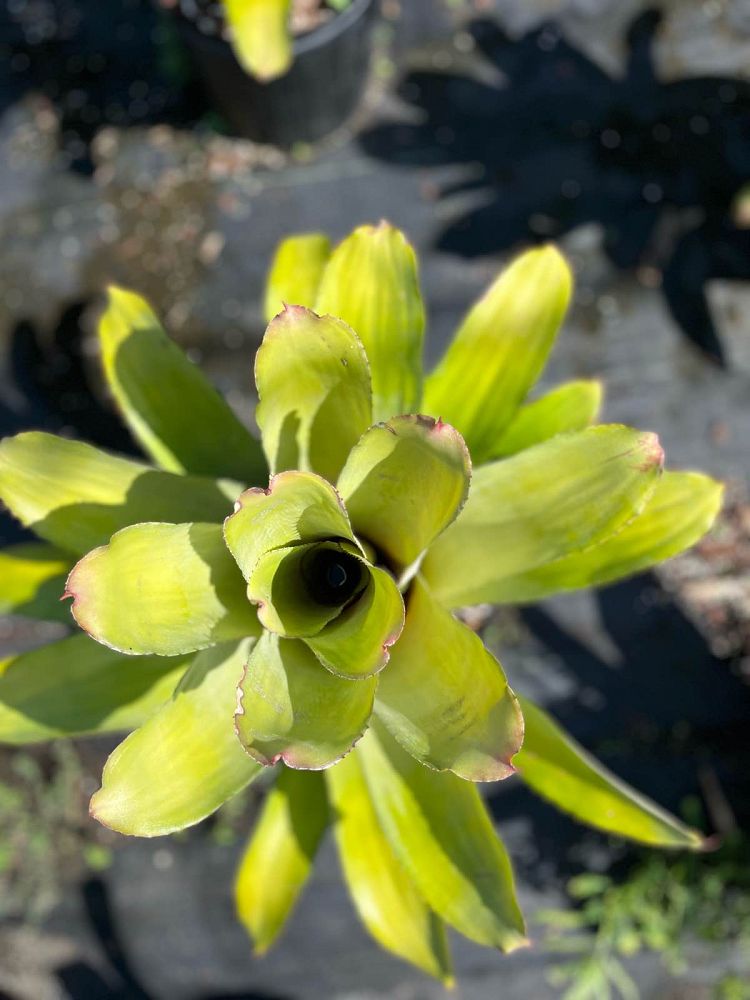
76	687
172	409
404	482
559	497
77	496
161	588
384	896
371	283
441	833
279	856
186	760
295	273
32	580
681	509
290	708
570	407
358	642
260	36
314	386
296	507
560	770
500	349
445	697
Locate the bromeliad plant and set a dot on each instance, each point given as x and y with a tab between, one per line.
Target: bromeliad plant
234	623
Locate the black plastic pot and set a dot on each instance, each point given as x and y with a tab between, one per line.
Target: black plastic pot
318	94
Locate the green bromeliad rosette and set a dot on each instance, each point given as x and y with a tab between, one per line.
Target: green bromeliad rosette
235	623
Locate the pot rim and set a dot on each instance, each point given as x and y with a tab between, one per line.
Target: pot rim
317	38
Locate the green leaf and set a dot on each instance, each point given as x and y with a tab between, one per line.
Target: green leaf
292	709
76	686
570	407
439	829
500	349
445	697
161	588
32	581
558	769
384	896
280	588
296	507
174	412
260	36
404	482
186	760
314	386
371	283
559	497
295	272
280	854
77	497
680	511
357	643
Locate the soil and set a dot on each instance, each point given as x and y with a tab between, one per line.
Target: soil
208	15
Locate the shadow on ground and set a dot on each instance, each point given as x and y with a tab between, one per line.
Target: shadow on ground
553	142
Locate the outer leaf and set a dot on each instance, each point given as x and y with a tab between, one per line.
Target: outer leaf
280	854
76	686
371	283
171	408
680	511
441	833
570	407
296	507
404	482
385	897
314	385
358	642
554	499
32	579
500	349
559	769
76	496
161	588
291	709
295	272
184	762
445	697
260	36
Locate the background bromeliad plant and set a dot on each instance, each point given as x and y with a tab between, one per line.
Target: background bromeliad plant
233	625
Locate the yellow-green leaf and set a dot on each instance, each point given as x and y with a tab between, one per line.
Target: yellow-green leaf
296	507
570	407
32	581
358	642
445	697
292	709
295	273
556	498
679	512
500	349
77	496
76	687
172	409
371	283
384	896
314	386
559	769
279	856
162	588
186	760
439	830
260	36
404	483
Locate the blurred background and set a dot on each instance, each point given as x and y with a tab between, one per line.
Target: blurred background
134	149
